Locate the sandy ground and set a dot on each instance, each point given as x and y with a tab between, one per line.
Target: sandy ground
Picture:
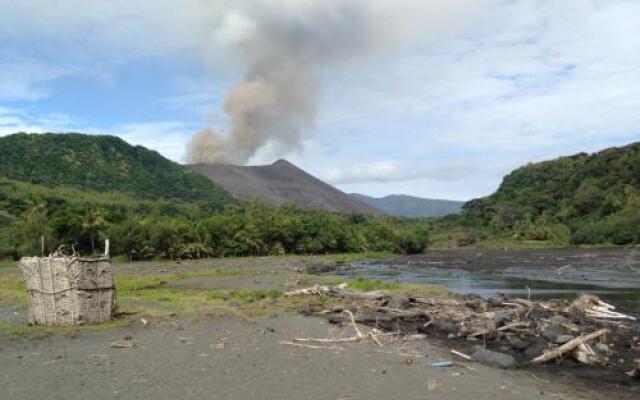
220	356
227	358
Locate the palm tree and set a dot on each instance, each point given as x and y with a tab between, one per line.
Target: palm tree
93	224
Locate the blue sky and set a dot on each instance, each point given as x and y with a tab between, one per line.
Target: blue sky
445	114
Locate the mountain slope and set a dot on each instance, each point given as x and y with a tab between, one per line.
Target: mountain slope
279	183
594	198
402	205
101	163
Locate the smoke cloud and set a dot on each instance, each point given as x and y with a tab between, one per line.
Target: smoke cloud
283	46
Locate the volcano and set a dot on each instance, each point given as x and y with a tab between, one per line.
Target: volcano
282	183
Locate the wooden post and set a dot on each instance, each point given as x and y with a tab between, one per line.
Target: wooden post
106	248
42	246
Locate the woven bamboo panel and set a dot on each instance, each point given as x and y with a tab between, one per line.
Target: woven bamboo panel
69	290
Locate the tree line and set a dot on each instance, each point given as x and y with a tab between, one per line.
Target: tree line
146	229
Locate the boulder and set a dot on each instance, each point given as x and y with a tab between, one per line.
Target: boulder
538	313
535	349
558	320
562	339
494	358
551	332
517	343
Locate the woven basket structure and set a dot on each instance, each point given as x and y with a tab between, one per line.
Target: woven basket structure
69	290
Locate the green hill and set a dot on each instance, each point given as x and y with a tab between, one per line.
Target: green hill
101	163
582	199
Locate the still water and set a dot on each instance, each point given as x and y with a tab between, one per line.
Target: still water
488	285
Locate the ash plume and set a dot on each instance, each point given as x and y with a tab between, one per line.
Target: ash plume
283	46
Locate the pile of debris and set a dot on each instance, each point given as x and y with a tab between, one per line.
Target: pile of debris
587	330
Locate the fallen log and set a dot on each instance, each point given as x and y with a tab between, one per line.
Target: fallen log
569	346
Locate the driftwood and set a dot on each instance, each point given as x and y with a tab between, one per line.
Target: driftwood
596	308
336	291
460	354
635	373
358	337
565	328
569	346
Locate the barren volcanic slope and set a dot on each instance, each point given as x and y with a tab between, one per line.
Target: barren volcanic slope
279	183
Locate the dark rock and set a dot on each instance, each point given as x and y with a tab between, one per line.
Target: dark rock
442	326
399	301
537	313
494	358
491	325
552	332
474	302
500	318
558	320
602	347
535	350
562	339
493	301
517	343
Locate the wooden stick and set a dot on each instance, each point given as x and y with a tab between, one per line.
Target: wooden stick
308	346
569	346
635	373
462	355
353	323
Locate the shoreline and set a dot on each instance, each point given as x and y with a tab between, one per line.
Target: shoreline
209	300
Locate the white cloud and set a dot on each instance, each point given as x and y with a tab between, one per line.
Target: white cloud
532	79
166	137
14	120
392	171
20	78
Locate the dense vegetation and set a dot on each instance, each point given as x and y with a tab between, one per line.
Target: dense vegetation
582	199
101	163
144	228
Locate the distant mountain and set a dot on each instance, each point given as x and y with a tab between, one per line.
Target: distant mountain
408	206
280	183
101	163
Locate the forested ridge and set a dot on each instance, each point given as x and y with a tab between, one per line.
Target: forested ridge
61	187
581	199
64	187
101	163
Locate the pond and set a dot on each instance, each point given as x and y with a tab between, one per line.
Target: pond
487	284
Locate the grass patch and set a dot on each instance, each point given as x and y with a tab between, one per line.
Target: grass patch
35	332
12	288
23	331
127	282
368	284
7	263
150	294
